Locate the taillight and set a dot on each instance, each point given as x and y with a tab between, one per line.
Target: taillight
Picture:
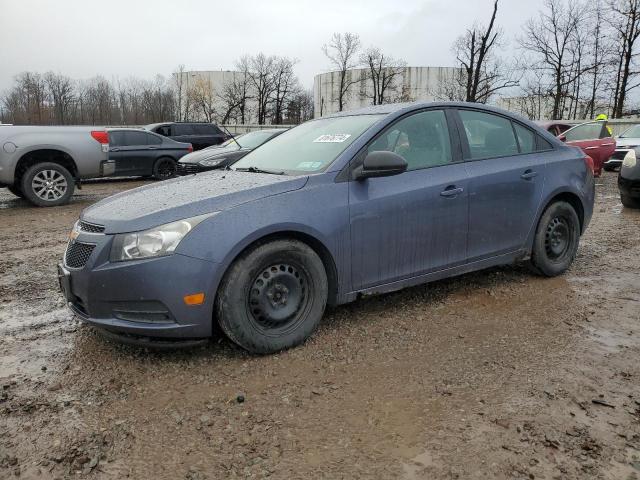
589	162
100	136
190	148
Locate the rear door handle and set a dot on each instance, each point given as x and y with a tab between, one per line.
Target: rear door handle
152	148
451	191
114	149
590	148
607	144
528	175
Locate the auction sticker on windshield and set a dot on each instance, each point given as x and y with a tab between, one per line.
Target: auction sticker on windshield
335	138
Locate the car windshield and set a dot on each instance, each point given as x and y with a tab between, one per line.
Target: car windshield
255	139
633	132
229	145
308	148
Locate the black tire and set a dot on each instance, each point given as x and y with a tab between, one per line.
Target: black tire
629	202
15	189
47	184
164	168
273	297
556	242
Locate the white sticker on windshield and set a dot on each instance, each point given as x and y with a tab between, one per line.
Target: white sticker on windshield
309	165
335	138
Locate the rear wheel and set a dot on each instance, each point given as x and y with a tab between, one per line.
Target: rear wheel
556	242
164	168
47	184
630	202
273	297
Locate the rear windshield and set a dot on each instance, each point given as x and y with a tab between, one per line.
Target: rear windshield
310	147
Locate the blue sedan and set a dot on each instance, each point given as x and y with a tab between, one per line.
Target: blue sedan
360	202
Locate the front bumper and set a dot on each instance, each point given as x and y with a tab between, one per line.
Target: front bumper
141	297
629	188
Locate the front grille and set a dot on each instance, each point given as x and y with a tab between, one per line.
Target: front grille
91	228
188	168
77	254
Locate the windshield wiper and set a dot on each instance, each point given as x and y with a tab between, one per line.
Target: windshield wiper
258	170
233	137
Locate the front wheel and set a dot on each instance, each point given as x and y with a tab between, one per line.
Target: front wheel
47	184
273	297
164	168
556	242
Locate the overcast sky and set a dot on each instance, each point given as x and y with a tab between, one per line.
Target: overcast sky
120	38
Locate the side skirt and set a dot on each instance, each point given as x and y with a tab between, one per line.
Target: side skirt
505	259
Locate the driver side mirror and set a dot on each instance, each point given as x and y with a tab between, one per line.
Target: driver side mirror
380	164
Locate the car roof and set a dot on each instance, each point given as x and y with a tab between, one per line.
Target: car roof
390	108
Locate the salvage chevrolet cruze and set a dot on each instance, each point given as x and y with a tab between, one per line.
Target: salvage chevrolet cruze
356	203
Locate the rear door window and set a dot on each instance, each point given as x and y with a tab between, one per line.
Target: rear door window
183	129
204	129
488	135
132	139
116	138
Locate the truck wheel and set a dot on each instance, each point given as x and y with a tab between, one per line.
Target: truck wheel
273	297
47	184
629	202
15	189
164	168
556	242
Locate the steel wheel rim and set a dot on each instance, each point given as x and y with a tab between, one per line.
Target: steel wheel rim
279	297
49	185
557	239
166	169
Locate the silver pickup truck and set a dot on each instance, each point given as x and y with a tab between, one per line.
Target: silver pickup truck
44	164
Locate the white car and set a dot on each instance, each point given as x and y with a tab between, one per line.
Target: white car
629	140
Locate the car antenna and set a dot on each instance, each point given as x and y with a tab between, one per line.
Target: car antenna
231	135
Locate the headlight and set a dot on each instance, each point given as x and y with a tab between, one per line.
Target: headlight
211	162
630	159
155	242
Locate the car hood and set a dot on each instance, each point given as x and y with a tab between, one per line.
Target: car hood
200	155
627	142
185	197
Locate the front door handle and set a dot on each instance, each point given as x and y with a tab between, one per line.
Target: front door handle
152	148
590	148
451	191
528	175
114	149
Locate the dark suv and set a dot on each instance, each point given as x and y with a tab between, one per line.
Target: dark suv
200	135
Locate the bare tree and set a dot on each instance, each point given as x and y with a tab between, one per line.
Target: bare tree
204	97
342	51
180	90
551	39
483	75
626	25
61	93
285	83
383	72
261	69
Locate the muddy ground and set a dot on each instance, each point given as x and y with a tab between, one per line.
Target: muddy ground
497	374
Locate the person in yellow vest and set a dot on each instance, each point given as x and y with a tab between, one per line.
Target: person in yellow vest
603	118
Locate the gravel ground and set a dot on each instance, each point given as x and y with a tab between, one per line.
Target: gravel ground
497	374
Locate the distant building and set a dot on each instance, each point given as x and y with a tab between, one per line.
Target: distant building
412	84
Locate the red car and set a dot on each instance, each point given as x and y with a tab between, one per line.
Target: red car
593	138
